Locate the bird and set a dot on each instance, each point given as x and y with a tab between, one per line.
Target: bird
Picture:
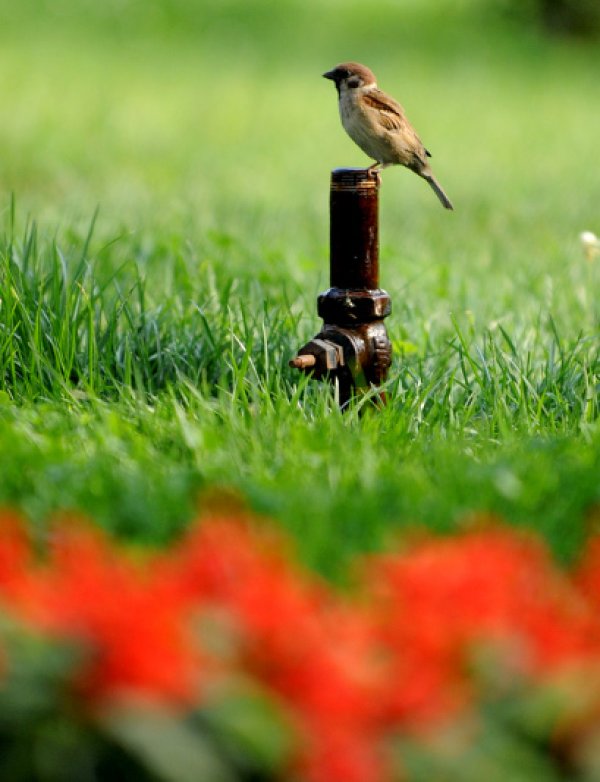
379	126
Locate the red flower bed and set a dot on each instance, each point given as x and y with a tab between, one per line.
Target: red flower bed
443	639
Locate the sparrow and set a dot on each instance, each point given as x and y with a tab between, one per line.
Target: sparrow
378	124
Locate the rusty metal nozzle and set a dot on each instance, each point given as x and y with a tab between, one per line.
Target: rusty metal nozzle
352	348
306	361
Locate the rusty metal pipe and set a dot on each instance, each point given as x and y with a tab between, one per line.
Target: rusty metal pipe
354	229
352	349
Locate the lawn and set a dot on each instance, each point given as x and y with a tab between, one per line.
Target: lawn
164	177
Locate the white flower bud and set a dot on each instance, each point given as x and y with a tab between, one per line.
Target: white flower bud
590	243
587	237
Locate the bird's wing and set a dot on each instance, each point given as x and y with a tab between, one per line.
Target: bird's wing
391	113
393	119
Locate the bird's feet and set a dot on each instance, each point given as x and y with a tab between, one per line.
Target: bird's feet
375	172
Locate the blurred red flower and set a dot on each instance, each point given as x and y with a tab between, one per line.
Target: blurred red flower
134	626
351	671
444	597
14	551
317	653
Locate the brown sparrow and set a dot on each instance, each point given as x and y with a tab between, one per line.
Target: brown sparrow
379	125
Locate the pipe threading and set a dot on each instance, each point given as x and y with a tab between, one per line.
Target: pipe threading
353	179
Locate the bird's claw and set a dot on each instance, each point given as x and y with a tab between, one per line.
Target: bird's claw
375	172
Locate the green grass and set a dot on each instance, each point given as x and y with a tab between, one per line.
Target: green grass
143	352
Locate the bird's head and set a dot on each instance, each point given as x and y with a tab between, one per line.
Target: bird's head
350	76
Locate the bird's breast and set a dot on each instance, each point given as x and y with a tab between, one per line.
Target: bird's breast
361	128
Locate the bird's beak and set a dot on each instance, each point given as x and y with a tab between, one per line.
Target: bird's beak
330	75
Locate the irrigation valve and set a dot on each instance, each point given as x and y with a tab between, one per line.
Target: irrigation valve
352	349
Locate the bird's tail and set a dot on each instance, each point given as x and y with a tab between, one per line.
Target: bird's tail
437	189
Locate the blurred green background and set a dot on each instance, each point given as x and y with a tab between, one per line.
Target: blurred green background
199	116
205	135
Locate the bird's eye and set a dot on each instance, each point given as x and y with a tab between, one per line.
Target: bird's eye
353	83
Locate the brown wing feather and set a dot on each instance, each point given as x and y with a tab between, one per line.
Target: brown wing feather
391	113
393	118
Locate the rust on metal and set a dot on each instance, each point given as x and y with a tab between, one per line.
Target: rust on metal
352	349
